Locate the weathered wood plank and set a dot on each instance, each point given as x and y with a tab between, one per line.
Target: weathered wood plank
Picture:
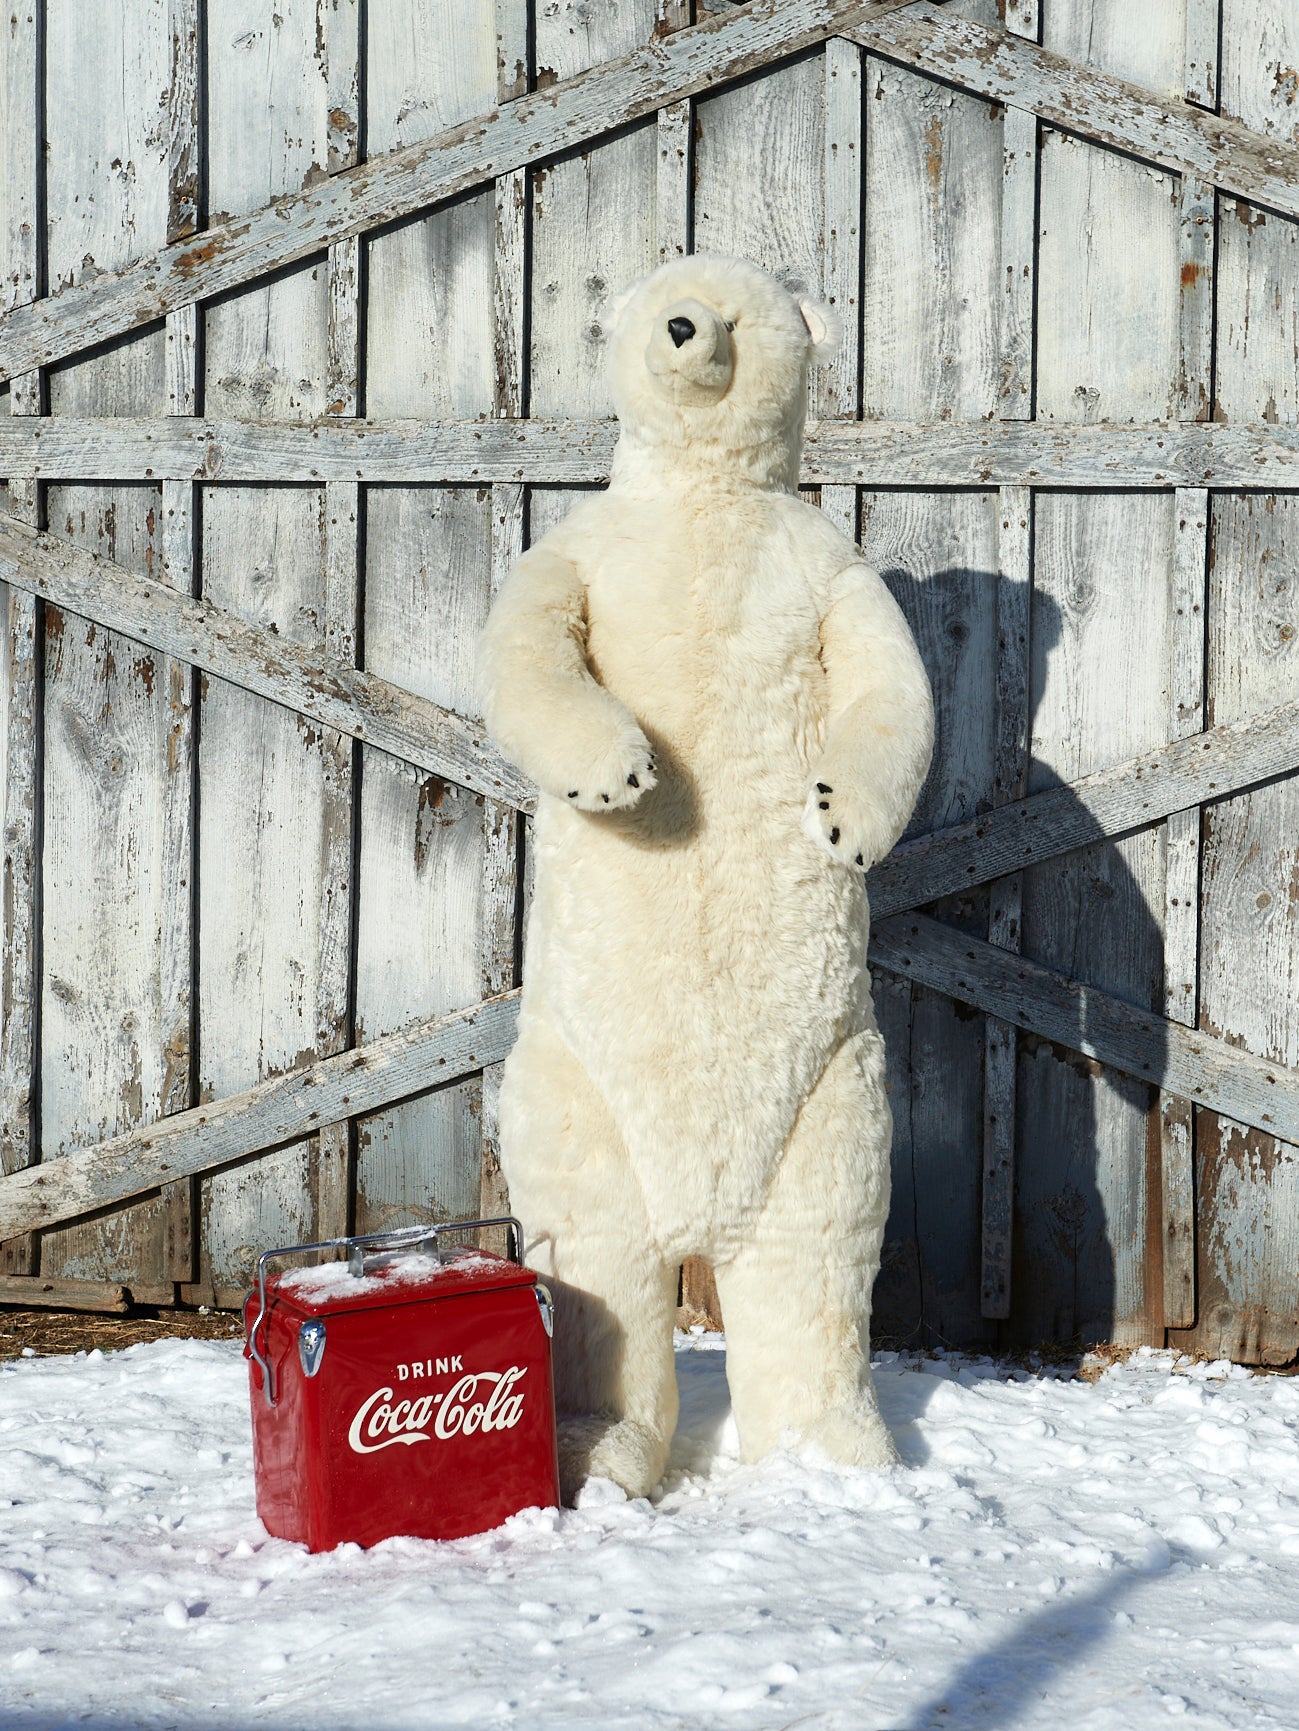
277	1111
302	677
43	1292
1248	1183
499	934
1104	108
878	453
1258	253
1182	904
1105	805
723	48
1103	353
511	49
295	224
837	381
1081	1019
339	35
1018	261
931	295
837	387
20	721
432	347
1101	586
936	553
1202	23
429	277
179	522
1125	797
1006	897
183	97
501	898
114	932
1018	236
269	793
1198	204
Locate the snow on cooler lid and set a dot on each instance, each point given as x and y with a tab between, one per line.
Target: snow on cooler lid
405	1279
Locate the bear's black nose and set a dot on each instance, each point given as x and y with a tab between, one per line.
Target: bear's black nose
680	330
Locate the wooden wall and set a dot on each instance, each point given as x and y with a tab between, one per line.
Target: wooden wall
204	889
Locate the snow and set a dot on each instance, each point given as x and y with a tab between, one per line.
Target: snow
332	1280
1119	1554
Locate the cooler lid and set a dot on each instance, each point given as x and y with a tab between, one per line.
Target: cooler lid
401	1278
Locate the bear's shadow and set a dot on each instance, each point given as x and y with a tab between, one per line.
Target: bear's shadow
1084	914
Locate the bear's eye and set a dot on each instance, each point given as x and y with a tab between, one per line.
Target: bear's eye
730	324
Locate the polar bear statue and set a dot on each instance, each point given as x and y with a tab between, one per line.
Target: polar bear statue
728	721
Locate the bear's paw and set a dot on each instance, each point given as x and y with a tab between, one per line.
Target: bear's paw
615	776
843	825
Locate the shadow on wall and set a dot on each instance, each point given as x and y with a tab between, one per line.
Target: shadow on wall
1081	1134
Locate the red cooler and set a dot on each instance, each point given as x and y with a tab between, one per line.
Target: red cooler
405	1390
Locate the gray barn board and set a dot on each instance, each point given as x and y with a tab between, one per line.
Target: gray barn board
302	340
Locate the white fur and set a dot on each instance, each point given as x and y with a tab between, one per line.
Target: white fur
698	1068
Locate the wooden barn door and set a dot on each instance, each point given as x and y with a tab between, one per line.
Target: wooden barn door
302	342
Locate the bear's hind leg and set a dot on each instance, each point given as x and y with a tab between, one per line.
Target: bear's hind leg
796	1298
588	1233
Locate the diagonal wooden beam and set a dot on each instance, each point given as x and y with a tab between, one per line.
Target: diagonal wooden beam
1007	68
1140	1043
1127	796
1092	104
275	1112
1137	1042
1112	802
1258	455
560	118
309	681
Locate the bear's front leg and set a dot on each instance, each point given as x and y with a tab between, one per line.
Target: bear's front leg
881	724
543	706
588	1234
796	1298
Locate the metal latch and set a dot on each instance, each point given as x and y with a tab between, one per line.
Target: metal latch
547	1304
311	1345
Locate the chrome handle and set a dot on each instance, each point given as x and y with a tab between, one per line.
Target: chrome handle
404	1238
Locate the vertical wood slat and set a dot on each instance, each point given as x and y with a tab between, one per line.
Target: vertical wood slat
672	182
341	543
179	525
1181	906
1199	215
21	711
1202	23
837	382
1006	897
1019	200
1198	250
1015	402
501	823
1198	210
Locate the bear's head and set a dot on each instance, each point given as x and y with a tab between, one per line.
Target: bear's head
708	363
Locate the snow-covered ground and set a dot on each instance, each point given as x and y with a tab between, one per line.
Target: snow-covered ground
1054	1553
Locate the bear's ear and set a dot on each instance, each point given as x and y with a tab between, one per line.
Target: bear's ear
824	326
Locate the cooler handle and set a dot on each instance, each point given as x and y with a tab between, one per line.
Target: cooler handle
405	1238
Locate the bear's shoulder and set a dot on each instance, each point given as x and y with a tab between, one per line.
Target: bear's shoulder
822	550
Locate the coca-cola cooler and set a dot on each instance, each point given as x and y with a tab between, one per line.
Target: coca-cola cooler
405	1390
